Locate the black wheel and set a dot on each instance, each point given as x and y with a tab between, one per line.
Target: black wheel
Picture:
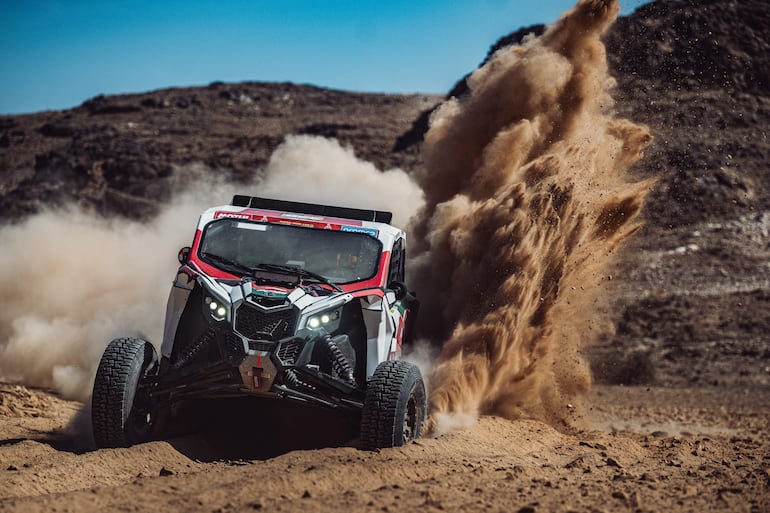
121	412
394	407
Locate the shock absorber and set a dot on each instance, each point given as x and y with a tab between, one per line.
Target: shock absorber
339	362
192	351
290	378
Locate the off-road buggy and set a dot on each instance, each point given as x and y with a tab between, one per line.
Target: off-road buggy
279	300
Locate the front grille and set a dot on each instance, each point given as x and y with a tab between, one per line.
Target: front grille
234	351
289	351
269	302
273	325
261	345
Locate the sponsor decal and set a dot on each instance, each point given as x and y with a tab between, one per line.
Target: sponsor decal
296	223
305	221
234	215
360	229
303	216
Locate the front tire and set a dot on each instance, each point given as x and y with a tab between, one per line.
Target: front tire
121	412
394	406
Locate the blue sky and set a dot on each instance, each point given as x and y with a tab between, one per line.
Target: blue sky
54	54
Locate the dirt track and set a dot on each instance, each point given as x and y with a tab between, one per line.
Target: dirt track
643	449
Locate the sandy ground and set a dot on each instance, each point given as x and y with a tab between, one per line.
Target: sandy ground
643	449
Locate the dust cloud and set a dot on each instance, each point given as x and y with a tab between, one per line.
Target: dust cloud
72	281
527	200
318	170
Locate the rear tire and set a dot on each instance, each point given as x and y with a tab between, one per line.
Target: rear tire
394	406
121	412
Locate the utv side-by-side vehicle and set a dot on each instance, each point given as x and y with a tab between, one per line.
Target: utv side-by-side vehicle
279	300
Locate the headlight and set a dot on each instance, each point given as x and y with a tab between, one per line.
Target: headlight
217	310
329	320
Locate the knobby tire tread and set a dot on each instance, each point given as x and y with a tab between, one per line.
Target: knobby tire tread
108	402
378	424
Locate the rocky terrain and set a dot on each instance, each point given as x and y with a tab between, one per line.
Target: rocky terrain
680	416
698	75
123	155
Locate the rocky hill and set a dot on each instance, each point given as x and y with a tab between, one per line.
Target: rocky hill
124	154
695	302
698	73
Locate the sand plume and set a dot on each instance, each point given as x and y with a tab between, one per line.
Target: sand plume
527	198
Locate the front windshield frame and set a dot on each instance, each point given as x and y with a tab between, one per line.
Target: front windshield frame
361	267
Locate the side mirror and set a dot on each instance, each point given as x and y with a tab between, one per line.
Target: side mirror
184	255
398	288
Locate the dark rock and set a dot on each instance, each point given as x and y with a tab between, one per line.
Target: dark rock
101	105
56	130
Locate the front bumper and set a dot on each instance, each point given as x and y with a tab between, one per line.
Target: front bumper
288	368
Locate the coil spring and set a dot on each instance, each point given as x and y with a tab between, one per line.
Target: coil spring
193	350
339	362
291	379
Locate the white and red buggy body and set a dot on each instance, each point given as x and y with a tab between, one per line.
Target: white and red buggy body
279	299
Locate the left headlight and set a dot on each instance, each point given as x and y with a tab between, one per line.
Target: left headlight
217	310
329	320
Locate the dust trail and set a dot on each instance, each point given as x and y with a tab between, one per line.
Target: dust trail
317	170
72	281
527	199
